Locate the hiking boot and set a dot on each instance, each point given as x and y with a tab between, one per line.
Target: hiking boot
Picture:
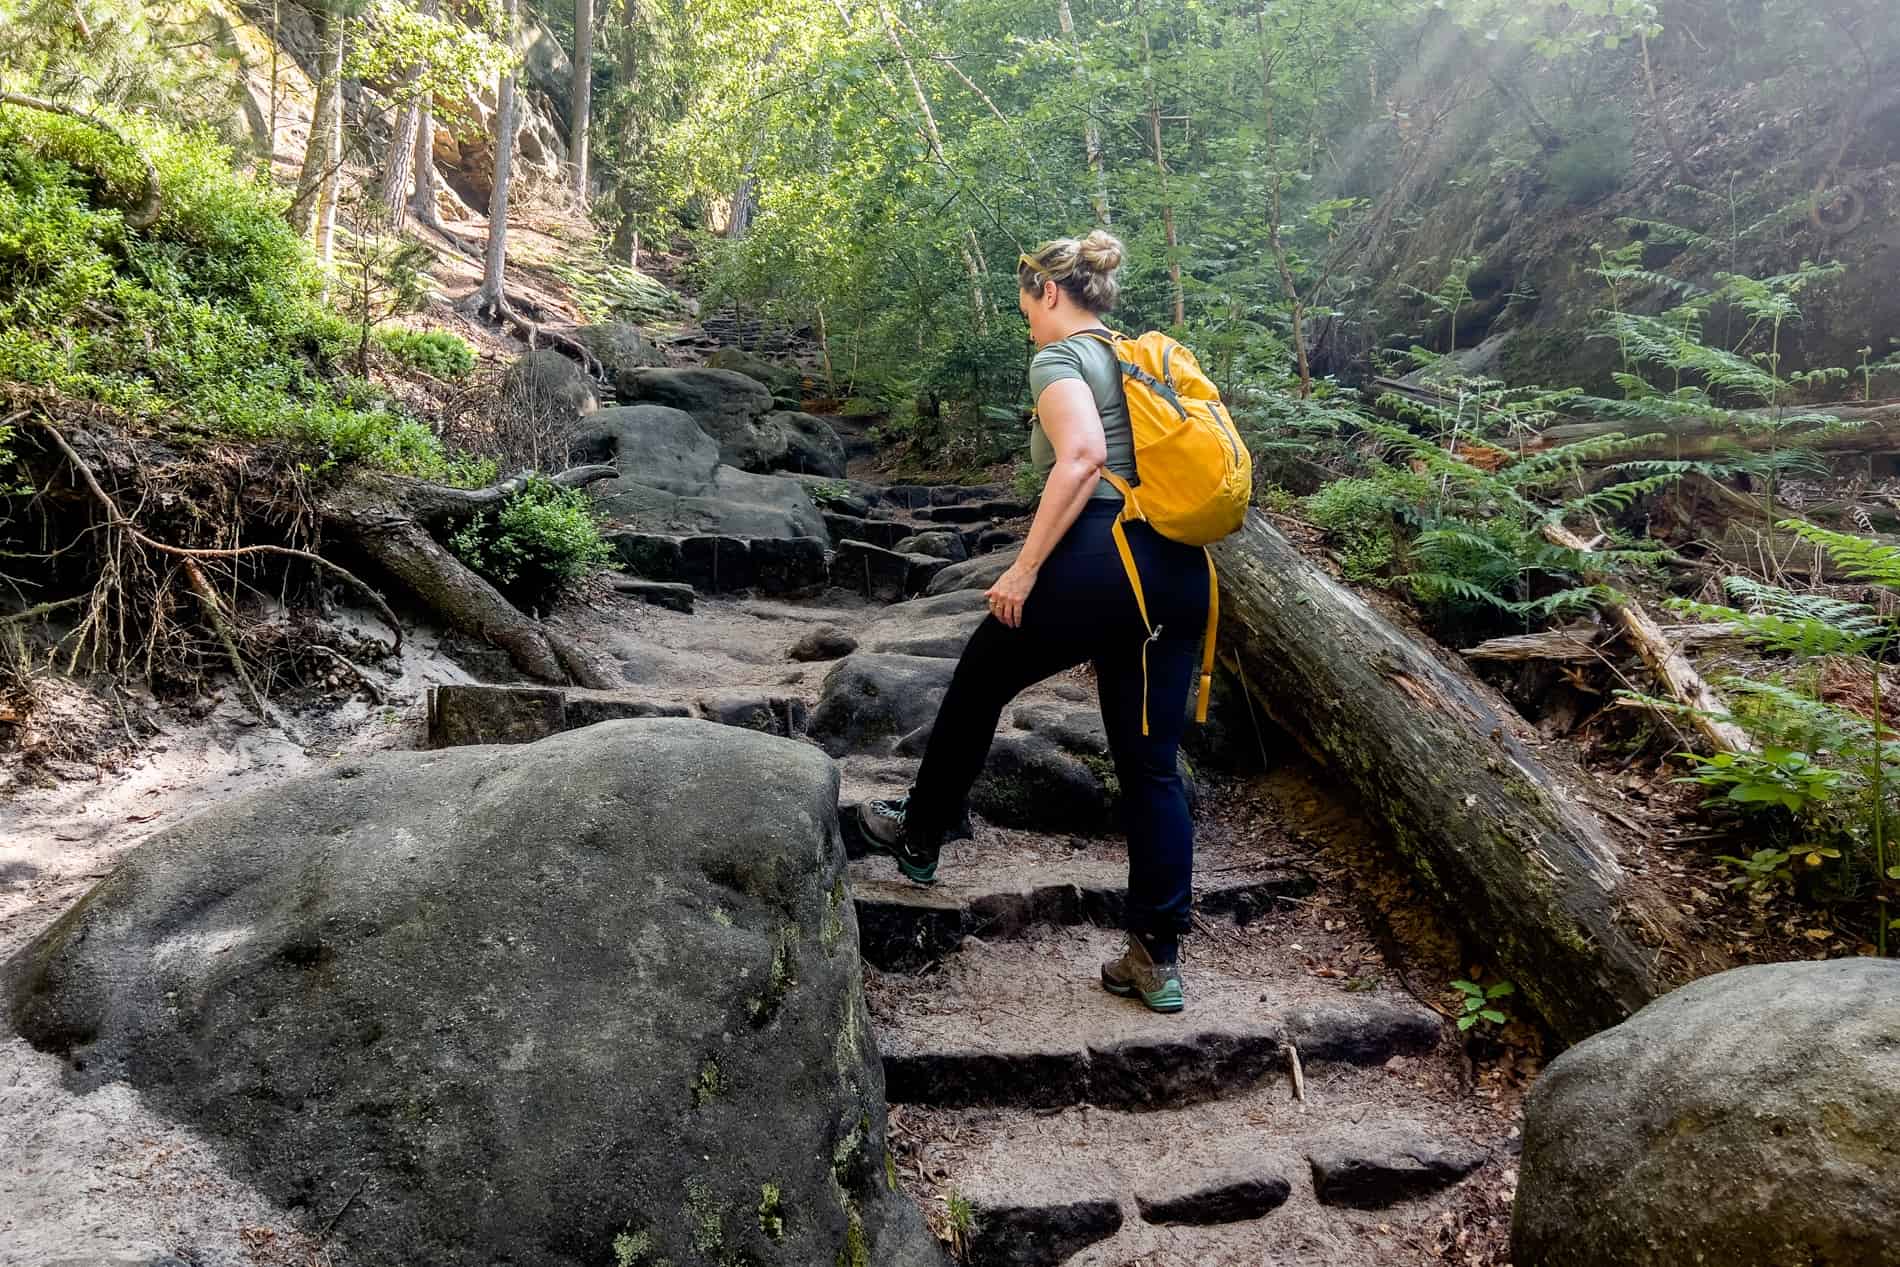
882	823
1137	976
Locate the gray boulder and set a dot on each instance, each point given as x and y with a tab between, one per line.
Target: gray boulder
595	999
672	480
906	631
728	407
549	390
1750	1119
621	347
868	702
783	380
809	445
827	642
976	574
939	543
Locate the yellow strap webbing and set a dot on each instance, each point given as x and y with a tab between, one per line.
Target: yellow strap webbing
1131	509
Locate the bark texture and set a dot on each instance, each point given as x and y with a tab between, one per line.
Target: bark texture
1505	846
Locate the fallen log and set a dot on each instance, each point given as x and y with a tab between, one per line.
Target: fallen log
1869	429
1504	845
1580	642
1707	713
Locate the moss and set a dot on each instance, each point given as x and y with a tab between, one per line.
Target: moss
780	979
705	1221
771	1212
855	1252
720	917
890	1170
1103	768
631	1248
832	932
709	1085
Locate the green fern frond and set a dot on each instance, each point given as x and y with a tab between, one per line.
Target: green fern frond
1614	498
1858	557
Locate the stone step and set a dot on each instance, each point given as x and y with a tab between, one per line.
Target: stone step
1189	1187
903	927
1026	1023
477	713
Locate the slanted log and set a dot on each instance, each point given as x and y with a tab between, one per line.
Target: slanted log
1508	849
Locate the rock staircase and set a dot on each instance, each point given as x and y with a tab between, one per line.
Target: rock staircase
1286	1118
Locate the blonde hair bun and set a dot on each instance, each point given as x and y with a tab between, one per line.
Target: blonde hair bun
1099	252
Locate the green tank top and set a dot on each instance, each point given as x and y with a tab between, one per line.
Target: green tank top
1092	361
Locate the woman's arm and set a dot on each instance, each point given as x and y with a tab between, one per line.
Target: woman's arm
1074	429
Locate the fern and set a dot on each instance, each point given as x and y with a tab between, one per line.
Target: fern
1857	557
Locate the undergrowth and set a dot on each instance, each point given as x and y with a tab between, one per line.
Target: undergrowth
541	539
210	323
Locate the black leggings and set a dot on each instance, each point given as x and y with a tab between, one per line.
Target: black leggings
1082	608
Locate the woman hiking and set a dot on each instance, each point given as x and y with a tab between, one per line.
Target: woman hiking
1067	600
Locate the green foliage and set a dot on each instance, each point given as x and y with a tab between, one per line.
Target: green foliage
1480	1002
1823	769
542	538
392	43
438	352
208	323
1594	160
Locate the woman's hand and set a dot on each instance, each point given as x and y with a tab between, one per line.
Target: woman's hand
1010	592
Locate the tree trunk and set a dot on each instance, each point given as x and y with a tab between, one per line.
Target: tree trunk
583	94
396	172
330	193
313	178
972	258
492	296
389	519
1091	135
1161	168
1507	849
422	164
1297	303
1871	429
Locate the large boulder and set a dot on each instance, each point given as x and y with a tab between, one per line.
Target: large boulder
1749	1119
783	380
548	392
621	347
592	1000
728	407
810	445
975	574
868	702
672	480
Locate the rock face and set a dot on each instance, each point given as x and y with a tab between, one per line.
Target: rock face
674	482
1751	1119
811	446
595	999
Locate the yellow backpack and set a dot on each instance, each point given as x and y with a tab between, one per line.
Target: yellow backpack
1194	476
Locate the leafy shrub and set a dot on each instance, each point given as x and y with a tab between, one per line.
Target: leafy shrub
438	352
209	321
541	539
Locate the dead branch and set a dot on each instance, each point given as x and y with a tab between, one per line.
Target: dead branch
214	612
1707	713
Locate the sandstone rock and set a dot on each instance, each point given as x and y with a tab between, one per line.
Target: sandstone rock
941	544
1231	1198
884	533
669	594
808	444
551	390
672	481
868	701
781	379
1751	1119
726	406
827	642
884	575
978	574
621	347
521	1002
1369	1174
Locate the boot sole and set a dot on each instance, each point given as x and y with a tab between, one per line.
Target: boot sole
1164	1001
